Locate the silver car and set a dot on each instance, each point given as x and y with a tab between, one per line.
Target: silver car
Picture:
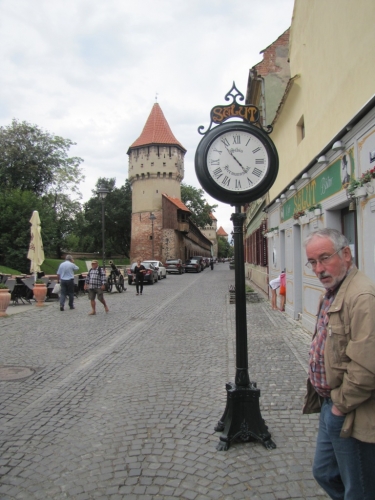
159	266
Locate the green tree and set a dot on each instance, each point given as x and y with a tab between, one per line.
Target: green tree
198	206
117	220
37	161
16	208
225	249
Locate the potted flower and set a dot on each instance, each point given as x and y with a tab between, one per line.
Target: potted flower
368	179
4	299
40	292
317	209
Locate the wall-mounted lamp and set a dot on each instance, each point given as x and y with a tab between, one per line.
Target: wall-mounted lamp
338	146
322	159
305	176
292	188
277	200
282	197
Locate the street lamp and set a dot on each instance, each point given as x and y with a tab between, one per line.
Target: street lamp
152	218
102	193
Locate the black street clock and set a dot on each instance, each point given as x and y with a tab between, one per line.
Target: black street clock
236	162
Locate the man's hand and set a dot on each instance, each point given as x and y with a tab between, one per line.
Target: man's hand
337	412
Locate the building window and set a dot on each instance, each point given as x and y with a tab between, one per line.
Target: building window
300	129
164	164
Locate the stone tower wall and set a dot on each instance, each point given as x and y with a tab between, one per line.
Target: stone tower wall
141	242
154	170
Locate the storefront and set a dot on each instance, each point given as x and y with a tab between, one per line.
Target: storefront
336	190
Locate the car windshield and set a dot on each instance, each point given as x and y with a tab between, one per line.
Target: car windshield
147	265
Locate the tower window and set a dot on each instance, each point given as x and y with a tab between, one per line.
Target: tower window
152	164
164	164
170	175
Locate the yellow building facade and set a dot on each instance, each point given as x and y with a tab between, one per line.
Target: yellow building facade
324	131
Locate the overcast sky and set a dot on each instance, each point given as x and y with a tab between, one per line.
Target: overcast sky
89	70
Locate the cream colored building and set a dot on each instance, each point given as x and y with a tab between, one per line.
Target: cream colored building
324	131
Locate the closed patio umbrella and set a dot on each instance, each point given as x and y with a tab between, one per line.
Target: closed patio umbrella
36	252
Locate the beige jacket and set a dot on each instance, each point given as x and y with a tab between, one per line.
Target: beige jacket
349	357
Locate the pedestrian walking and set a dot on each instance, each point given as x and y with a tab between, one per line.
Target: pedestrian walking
139	271
212	264
95	284
341	383
65	276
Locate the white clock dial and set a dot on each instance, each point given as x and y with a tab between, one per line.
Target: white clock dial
237	161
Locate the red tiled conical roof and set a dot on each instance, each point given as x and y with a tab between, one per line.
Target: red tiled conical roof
221	232
156	130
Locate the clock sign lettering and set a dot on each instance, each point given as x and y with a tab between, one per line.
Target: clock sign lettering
236	162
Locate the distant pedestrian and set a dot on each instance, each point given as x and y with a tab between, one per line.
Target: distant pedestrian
282	291
65	276
274	285
212	264
139	271
95	284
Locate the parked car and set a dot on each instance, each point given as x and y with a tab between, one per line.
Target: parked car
192	266
174	266
201	261
151	274
159	266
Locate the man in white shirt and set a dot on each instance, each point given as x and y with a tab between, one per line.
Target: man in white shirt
65	276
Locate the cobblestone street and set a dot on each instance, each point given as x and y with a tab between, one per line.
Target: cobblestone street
124	405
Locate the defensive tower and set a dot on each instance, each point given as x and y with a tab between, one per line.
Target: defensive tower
156	166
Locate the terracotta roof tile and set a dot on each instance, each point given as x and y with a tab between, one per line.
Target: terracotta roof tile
177	202
221	232
156	130
212	216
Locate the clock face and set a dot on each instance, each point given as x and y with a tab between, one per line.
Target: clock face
237	160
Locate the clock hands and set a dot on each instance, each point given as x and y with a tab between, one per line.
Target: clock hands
230	152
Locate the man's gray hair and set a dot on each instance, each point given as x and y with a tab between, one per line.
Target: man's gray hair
338	239
69	257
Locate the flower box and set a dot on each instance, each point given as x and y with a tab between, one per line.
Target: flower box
305	219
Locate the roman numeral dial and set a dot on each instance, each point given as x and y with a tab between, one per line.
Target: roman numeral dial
237	160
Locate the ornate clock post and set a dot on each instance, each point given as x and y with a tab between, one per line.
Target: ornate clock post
237	163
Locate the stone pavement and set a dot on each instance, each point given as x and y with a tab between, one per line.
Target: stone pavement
123	405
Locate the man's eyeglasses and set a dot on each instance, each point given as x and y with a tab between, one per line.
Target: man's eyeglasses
323	260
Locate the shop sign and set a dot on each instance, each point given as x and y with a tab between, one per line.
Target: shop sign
326	184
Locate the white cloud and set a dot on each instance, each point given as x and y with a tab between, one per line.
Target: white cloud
90	70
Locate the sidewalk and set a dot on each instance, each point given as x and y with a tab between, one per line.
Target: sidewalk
123	405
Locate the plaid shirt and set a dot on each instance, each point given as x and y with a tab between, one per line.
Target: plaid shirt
96	278
317	371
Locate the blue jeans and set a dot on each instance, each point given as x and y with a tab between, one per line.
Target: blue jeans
67	289
344	467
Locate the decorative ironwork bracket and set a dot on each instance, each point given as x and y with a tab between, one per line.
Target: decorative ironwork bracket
246	112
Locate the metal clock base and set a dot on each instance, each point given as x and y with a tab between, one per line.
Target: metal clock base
241	420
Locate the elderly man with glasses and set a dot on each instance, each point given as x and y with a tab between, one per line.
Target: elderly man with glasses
341	383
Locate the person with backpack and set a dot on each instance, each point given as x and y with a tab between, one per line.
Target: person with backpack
95	285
